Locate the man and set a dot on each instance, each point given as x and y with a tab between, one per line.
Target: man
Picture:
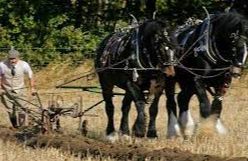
12	87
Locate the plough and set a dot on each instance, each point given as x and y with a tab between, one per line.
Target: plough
48	119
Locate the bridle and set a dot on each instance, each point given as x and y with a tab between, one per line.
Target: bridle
166	55
206	43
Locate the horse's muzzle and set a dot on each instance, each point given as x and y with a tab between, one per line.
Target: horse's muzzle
169	71
236	72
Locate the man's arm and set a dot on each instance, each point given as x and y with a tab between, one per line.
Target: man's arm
29	72
1	87
32	85
2	91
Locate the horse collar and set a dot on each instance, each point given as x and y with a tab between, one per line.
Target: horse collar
205	42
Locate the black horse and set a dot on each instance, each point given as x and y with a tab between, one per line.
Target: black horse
209	55
131	60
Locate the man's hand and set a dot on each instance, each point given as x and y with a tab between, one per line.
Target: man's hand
33	91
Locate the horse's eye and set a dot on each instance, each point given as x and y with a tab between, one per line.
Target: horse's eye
157	38
234	51
166	33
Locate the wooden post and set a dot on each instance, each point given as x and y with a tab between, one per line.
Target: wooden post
84	130
46	124
26	121
16	113
82	123
80	112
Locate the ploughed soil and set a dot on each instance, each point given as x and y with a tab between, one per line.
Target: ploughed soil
83	146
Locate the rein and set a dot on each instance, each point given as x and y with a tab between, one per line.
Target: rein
135	56
191	71
136	42
207	46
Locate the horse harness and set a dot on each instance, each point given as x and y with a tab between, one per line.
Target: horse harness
206	44
116	45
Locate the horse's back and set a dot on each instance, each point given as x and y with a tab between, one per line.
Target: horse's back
111	49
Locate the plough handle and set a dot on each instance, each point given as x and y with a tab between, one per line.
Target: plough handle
88	109
39	100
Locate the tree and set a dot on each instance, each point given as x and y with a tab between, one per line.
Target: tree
150	8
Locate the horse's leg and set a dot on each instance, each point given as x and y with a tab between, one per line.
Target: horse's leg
107	92
208	123
126	104
186	121
216	109
173	128
109	107
205	108
153	111
137	95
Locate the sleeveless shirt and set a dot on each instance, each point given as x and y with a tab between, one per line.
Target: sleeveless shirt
14	80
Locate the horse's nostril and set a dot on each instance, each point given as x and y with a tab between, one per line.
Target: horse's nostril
236	71
169	71
236	75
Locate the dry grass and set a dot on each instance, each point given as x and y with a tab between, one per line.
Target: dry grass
15	152
234	116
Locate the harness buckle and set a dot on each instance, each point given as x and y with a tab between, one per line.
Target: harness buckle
135	75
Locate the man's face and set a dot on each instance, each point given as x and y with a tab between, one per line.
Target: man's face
13	61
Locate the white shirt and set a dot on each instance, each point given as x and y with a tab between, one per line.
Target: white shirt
15	82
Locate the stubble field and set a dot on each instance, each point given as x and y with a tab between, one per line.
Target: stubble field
205	145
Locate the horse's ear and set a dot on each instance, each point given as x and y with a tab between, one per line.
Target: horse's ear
135	21
154	15
166	24
166	34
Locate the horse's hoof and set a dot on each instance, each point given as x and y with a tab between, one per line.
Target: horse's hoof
139	131
171	137
152	134
174	136
221	129
124	132
113	137
125	138
187	138
139	134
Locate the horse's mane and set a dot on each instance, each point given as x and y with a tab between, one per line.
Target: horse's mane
225	22
151	27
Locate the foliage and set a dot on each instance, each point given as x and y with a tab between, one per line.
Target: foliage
44	30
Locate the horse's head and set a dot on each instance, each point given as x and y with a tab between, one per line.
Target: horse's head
159	48
239	56
232	40
166	55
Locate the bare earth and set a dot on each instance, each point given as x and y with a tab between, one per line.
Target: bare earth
83	146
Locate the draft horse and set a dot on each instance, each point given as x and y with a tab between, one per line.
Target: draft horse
130	60
209	55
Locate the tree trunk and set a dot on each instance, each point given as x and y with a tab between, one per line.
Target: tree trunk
79	13
150	8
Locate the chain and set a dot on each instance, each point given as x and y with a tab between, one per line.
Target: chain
190	70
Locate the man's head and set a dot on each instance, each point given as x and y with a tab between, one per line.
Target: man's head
13	56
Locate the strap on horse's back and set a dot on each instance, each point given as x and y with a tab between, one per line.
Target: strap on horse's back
114	47
203	42
185	32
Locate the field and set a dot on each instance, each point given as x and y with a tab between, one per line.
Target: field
205	145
